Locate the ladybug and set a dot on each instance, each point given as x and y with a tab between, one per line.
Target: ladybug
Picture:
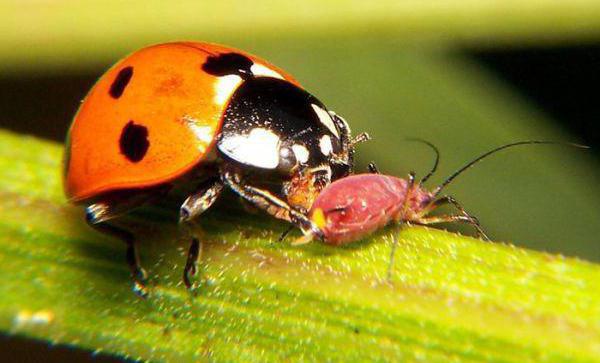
208	117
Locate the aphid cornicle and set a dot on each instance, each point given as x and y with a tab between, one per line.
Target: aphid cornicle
353	207
205	114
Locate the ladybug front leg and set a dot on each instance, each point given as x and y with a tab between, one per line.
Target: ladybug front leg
373	169
192	207
270	203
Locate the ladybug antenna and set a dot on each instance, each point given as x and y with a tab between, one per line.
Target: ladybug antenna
438	190
360	138
435	163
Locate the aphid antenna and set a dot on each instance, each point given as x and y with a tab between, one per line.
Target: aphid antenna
448	180
435	163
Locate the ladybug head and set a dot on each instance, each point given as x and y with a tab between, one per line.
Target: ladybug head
273	125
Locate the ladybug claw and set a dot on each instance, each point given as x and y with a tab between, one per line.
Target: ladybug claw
140	283
311	231
191	277
316	232
307	226
140	289
303	240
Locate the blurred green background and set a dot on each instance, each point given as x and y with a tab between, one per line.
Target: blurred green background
465	75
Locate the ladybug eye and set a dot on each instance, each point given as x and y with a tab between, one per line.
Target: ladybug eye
290	156
287	159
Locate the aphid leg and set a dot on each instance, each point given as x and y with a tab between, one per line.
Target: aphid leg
472	220
338	209
451	218
96	218
409	187
373	168
402	219
205	195
392	255
271	204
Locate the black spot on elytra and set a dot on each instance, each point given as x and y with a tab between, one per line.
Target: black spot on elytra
120	82
228	63
134	141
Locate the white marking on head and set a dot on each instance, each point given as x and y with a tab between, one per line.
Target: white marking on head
225	86
326	120
263	71
325	145
260	148
301	153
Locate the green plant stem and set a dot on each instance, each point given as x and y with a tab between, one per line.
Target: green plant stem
452	297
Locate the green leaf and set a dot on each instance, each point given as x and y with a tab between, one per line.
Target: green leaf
452	297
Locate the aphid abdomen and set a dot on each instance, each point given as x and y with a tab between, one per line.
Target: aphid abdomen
358	205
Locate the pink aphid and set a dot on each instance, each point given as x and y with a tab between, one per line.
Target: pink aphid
353	207
358	205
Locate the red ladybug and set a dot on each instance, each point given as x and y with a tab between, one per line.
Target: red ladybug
205	114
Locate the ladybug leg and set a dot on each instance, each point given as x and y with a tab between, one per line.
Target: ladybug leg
373	169
193	206
285	233
348	143
270	203
191	264
96	216
100	215
197	203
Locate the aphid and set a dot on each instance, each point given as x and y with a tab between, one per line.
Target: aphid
206	116
353	207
